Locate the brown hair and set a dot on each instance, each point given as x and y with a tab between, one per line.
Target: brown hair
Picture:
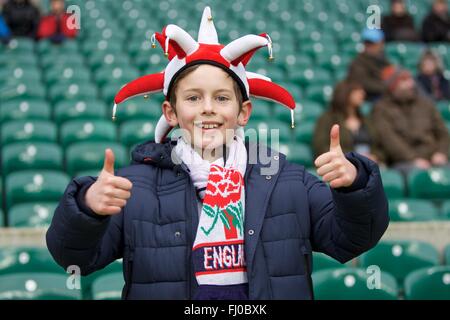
183	74
341	97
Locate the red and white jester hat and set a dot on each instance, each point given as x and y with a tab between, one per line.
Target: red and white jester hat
183	51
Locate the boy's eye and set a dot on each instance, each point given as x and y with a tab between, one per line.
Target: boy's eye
193	98
222	98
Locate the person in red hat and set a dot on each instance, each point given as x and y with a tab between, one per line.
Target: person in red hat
414	133
204	214
55	25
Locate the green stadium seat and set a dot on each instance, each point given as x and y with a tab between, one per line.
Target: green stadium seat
33	186
352	284
22	91
139	108
25	259
445	210
32	215
115	74
297	153
14	75
110	60
79	110
412	210
61	62
393	183
444	109
319	93
28	131
38	155
310	76
401	257
36	286
45	47
150	62
87	130
90	156
90	46
304	132
108	287
262	110
136	131
322	261
67	75
25	110
447	255
267	131
20	45
428	284
72	91
429	184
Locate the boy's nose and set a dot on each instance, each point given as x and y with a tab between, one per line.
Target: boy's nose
208	106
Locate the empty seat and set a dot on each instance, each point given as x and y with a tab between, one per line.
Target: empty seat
322	261
108	287
352	284
412	210
428	284
25	259
91	130
36	155
36	286
33	186
136	131
393	184
139	108
73	91
79	110
114	267
429	184
28	131
25	110
31	215
299	153
90	156
401	257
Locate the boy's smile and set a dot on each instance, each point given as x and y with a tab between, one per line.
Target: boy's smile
207	108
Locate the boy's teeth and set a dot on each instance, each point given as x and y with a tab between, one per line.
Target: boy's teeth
207	126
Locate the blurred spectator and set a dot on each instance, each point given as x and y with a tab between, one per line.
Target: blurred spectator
366	67
436	26
431	77
399	25
356	132
22	18
414	134
5	33
54	26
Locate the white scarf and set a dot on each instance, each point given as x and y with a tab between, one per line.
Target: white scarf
218	250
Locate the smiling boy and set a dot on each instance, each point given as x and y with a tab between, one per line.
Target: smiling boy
193	217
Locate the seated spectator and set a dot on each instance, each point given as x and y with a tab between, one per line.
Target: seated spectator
5	33
413	132
367	66
436	26
22	18
399	25
54	26
431	77
357	134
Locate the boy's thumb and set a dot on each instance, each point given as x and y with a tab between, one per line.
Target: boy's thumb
334	137
108	165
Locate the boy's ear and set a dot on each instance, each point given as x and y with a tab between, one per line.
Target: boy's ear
245	113
169	114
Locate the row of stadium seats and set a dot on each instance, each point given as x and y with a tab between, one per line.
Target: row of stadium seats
409	269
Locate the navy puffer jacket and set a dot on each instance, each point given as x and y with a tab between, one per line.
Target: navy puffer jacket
287	216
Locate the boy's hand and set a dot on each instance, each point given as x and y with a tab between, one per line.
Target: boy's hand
333	166
109	194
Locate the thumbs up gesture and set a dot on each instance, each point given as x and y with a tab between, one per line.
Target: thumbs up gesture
333	166
109	194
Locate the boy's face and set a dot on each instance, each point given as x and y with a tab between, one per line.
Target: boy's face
207	108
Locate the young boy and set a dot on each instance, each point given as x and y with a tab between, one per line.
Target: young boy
200	216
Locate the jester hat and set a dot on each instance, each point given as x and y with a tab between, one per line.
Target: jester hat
183	51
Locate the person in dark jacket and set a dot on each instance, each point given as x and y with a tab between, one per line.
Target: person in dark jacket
399	25
22	18
55	25
431	77
414	133
202	215
357	133
367	66
436	25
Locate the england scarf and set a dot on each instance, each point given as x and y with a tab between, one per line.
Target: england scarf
218	250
